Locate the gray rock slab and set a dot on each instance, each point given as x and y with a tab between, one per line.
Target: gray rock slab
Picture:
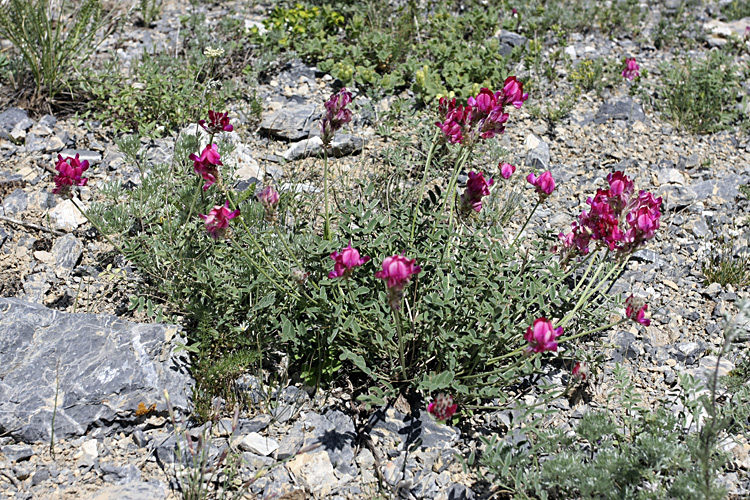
508	41
391	424
342	145
97	367
17	452
537	153
153	490
15	203
9	119
335	433
292	122
67	252
92	157
620	108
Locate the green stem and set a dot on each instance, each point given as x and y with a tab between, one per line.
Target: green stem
539	202
586	274
327	223
260	269
292	254
449	195
589	332
397	320
518	361
588	292
433	146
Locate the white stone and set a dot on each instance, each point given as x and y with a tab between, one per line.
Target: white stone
65	216
531	142
315	472
255	443
571	51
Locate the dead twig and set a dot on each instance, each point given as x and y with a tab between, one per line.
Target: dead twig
30	225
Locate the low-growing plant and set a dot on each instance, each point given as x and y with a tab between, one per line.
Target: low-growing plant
150	10
727	268
701	96
54	37
736	9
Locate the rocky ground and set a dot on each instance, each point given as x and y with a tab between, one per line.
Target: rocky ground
55	270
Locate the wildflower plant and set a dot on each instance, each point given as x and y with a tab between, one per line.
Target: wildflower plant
425	293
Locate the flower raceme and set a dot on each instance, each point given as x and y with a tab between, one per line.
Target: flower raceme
336	115
443	407
618	218
205	164
541	336
477	187
269	198
544	184
69	174
635	309
581	371
217	220
483	116
506	170
217	122
397	271
631	70
346	261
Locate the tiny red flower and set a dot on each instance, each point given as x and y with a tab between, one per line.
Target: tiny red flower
269	198
397	272
217	122
635	309
70	172
581	371
443	407
205	164
506	170
477	187
544	184
217	220
631	69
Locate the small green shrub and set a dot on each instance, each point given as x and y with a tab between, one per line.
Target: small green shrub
736	9
725	268
54	38
701	96
150	10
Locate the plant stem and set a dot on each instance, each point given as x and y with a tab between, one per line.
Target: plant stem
539	201
397	320
588	292
427	164
327	223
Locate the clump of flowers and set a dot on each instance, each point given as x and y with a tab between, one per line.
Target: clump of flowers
397	272
269	198
619	218
346	261
477	187
70	171
336	115
631	70
544	184
635	309
206	164
541	336
217	122
506	170
483	116
442	407
217	220
581	371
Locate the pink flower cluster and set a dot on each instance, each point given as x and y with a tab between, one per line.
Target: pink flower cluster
269	198
483	116
443	407
217	122
336	115
205	164
346	261
581	371
631	69
544	184
506	170
541	336
635	309
477	187
619	218
217	220
70	171
397	272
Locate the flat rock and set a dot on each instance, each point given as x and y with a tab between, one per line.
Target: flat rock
17	452
315	471
508	41
537	153
255	443
65	216
292	122
104	367
620	108
93	157
342	145
390	424
9	119
153	490
15	203
334	432
67	253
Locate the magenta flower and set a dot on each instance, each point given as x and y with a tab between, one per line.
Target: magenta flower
581	371
346	261
476	188
541	336
513	92
269	198
544	184
336	115
443	407
631	69
506	170
217	122
746	36
621	189
69	174
206	164
635	309
217	220
397	272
